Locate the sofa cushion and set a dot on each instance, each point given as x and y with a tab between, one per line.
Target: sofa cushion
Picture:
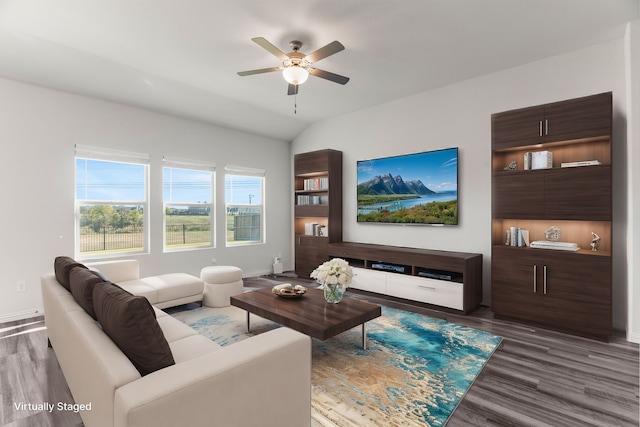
174	286
173	329
192	347
138	287
81	282
131	324
62	267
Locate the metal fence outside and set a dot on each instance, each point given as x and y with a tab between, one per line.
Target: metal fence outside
132	237
187	234
111	239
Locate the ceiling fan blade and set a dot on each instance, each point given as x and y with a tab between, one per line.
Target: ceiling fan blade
323	52
337	78
264	43
292	90
260	71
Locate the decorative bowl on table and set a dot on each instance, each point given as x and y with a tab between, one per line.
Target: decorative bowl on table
287	290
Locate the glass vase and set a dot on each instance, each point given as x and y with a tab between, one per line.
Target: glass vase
334	293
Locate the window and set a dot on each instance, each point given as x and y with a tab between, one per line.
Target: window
188	195
244	190
111	202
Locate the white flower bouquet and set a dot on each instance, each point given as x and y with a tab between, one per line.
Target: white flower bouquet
333	272
335	276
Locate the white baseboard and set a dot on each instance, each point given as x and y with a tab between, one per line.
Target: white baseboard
20	315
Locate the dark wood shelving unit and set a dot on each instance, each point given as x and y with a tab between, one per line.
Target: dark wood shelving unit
324	168
563	290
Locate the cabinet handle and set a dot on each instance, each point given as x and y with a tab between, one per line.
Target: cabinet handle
535	278
546	126
544	290
540	127
427	287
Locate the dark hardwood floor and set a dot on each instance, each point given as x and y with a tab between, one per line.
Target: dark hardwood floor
535	378
30	375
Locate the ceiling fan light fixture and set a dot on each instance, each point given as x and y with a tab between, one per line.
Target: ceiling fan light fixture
295	74
296	66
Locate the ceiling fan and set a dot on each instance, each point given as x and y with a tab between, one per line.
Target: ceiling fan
296	66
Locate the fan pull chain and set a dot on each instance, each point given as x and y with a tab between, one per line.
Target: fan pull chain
295	104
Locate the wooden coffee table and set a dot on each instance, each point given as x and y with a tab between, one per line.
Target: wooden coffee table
310	313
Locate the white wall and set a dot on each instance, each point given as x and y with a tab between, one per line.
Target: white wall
39	128
633	160
459	115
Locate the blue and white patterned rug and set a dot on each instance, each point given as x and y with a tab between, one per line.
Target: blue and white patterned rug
414	372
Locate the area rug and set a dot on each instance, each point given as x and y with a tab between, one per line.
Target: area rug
414	372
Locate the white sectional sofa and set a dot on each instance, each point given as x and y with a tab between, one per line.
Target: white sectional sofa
165	290
261	381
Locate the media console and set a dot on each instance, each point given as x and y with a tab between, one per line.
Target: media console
441	278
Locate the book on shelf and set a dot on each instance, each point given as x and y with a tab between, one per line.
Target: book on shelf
309	228
315	229
541	160
562	246
517	236
582	163
310	184
304	199
527	160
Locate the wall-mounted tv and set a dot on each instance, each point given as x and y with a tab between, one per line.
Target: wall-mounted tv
417	188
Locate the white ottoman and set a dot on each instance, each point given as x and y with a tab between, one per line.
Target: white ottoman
220	283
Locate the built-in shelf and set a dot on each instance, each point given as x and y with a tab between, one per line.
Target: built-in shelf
558	289
317	207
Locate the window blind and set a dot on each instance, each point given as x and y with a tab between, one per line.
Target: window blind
100	153
174	162
241	170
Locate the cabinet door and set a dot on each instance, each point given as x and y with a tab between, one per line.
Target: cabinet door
368	280
313	162
514	284
430	291
515	128
582	193
518	194
578	293
311	251
578	118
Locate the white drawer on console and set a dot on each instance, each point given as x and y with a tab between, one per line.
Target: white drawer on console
368	280
431	291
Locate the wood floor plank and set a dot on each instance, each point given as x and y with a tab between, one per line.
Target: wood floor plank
499	413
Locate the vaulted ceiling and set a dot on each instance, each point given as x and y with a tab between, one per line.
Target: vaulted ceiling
181	56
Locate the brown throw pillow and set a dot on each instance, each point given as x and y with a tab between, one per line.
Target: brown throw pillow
131	324
62	266
81	282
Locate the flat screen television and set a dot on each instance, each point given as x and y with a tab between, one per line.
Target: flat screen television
417	188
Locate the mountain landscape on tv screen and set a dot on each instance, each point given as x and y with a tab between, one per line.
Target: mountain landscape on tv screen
387	184
416	188
389	199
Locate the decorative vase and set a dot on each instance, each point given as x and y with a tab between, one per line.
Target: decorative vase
334	293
